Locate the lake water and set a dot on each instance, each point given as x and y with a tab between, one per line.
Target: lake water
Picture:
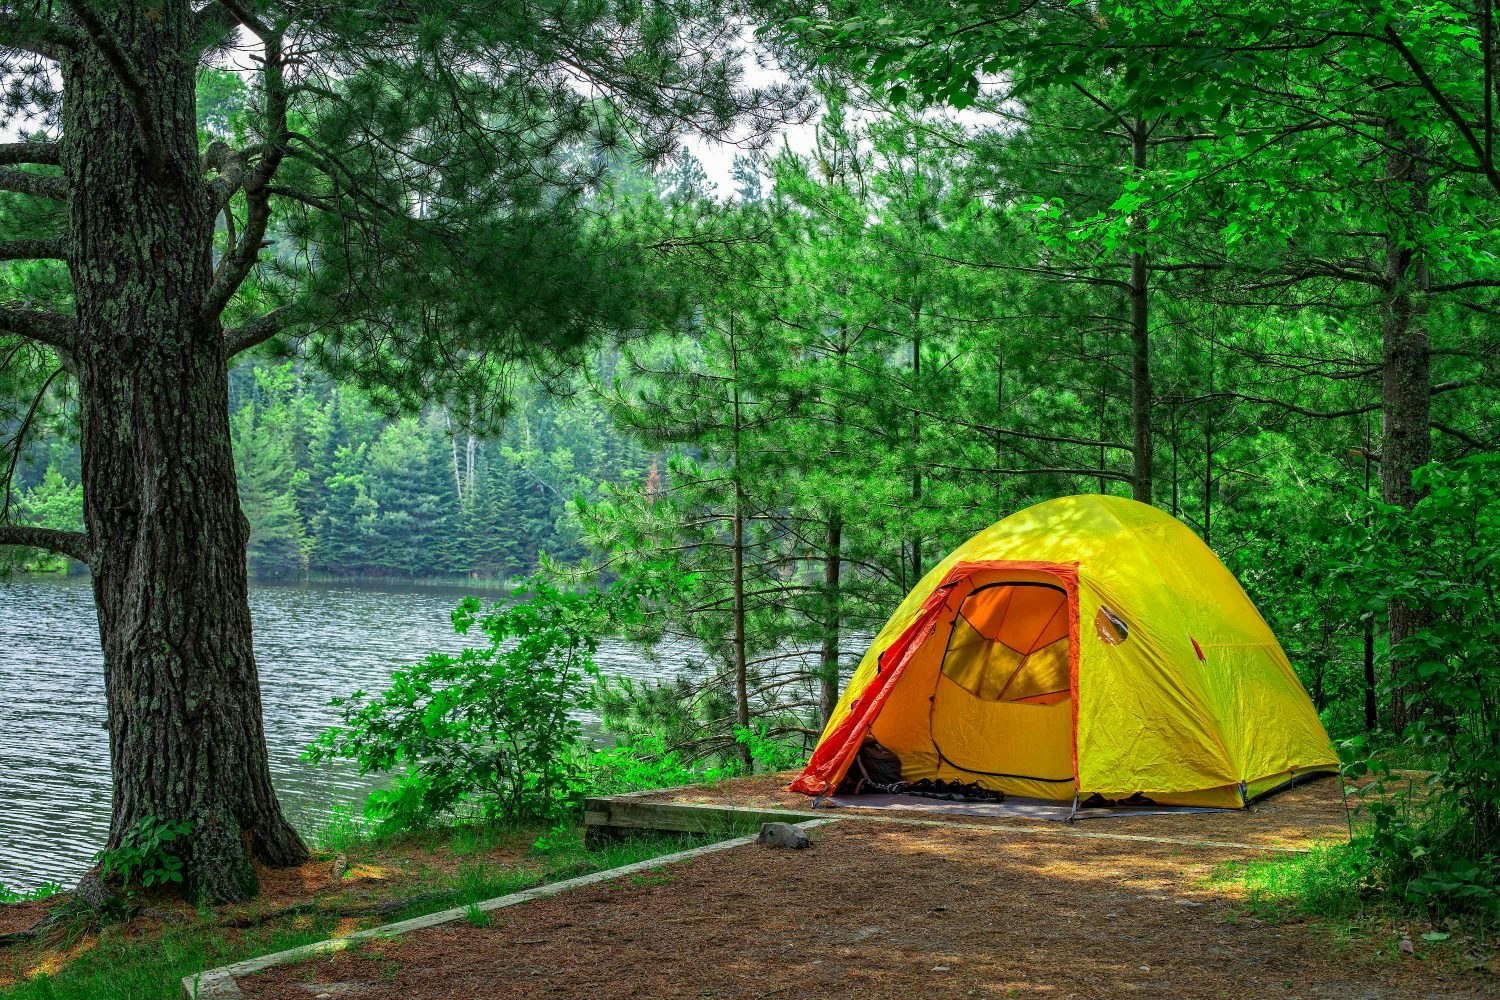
312	642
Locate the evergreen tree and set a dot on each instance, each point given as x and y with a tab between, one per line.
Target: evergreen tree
421	171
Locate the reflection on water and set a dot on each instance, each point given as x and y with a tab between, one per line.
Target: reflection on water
312	642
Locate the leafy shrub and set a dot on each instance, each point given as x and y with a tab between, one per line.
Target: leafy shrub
145	854
493	727
44	891
1440	846
643	761
684	711
770	752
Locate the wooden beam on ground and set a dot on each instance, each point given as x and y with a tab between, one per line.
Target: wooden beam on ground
615	816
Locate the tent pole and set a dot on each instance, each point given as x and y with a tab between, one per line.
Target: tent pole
1074	811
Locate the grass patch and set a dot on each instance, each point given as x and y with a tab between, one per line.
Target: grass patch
146	960
1333	881
1339	886
44	891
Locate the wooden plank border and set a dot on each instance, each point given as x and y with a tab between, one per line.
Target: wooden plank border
219	984
613	816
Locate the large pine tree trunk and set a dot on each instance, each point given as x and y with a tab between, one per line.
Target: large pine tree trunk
1406	382
186	735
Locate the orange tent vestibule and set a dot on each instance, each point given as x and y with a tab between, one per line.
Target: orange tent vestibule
1090	644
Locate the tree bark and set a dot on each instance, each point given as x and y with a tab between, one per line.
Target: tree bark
168	538
828	665
741	657
1406	382
999	439
915	541
1141	391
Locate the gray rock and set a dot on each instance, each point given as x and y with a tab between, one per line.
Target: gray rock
782	835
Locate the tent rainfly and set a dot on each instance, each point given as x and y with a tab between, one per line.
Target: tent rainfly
1089	644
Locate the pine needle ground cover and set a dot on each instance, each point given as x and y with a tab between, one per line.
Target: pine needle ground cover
889	910
351	884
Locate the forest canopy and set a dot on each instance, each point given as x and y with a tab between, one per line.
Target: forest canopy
1234	260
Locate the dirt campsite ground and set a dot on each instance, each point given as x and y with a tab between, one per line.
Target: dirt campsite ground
896	910
1310	813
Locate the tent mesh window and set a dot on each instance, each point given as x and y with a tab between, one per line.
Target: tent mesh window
1010	643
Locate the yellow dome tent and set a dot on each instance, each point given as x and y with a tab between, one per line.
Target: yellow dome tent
1089	644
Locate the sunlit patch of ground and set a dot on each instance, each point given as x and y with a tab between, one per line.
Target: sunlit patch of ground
1311	813
897	911
334	893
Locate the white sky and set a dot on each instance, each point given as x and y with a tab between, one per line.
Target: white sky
718	157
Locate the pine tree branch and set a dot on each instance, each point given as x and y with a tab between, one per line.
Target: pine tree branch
17	442
50	328
1458	286
1119	477
36	185
231	165
1024	435
242	257
1454	432
37	35
303	198
68	543
1486	164
46	153
31	249
130	81
243	15
1353	411
257	331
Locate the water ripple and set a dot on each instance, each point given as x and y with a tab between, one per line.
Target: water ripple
312	642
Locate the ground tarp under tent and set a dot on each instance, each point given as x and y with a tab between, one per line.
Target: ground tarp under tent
1086	646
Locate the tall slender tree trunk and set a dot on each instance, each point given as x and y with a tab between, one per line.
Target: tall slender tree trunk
1208	480
186	736
458	482
1208	453
828	658
916	443
1176	485
471	450
741	659
1141	393
1103	425
1406	383
1372	704
999	439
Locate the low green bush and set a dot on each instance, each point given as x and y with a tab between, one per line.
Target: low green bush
770	751
1437	844
146	856
644	760
491	733
44	891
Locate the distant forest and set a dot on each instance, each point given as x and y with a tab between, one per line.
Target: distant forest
332	487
